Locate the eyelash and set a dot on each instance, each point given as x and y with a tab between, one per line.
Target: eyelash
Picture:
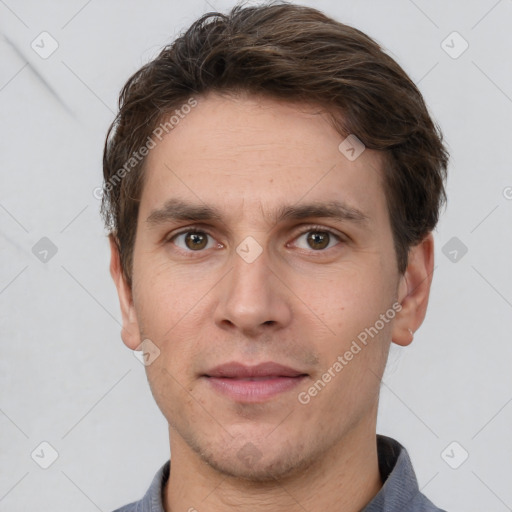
321	229
309	229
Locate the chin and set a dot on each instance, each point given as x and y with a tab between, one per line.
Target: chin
260	465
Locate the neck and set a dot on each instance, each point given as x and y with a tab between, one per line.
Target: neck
347	476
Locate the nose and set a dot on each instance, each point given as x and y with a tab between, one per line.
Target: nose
252	298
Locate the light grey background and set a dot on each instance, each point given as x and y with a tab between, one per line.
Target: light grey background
66	377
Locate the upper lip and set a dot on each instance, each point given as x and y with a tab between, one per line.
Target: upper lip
240	371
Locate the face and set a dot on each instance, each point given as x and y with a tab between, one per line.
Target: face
262	256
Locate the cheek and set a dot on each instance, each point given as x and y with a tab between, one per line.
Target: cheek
172	310
164	298
354	348
345	301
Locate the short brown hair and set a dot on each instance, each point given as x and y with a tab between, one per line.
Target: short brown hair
292	53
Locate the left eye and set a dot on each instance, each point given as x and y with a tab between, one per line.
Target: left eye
317	240
193	240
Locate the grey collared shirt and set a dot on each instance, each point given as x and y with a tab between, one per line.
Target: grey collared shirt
399	493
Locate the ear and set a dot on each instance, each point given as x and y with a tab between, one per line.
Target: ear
414	291
130	331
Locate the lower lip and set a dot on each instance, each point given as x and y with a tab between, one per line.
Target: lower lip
253	391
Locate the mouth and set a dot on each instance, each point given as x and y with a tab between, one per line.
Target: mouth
253	384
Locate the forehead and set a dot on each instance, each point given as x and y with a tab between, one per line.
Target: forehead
247	154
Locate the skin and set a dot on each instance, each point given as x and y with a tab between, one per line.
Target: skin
295	305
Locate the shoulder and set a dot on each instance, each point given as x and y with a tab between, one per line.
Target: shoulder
422	504
131	507
152	500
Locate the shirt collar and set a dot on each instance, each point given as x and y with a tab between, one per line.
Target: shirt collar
400	489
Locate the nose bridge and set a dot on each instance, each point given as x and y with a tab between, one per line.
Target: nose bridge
252	297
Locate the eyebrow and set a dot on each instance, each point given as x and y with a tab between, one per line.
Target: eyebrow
178	210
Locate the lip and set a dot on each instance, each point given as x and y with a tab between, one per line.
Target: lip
236	370
253	383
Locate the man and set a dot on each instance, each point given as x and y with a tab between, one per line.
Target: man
272	181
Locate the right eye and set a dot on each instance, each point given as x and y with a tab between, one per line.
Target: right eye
192	240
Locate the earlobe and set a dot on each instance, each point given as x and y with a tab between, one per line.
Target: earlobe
414	291
130	330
